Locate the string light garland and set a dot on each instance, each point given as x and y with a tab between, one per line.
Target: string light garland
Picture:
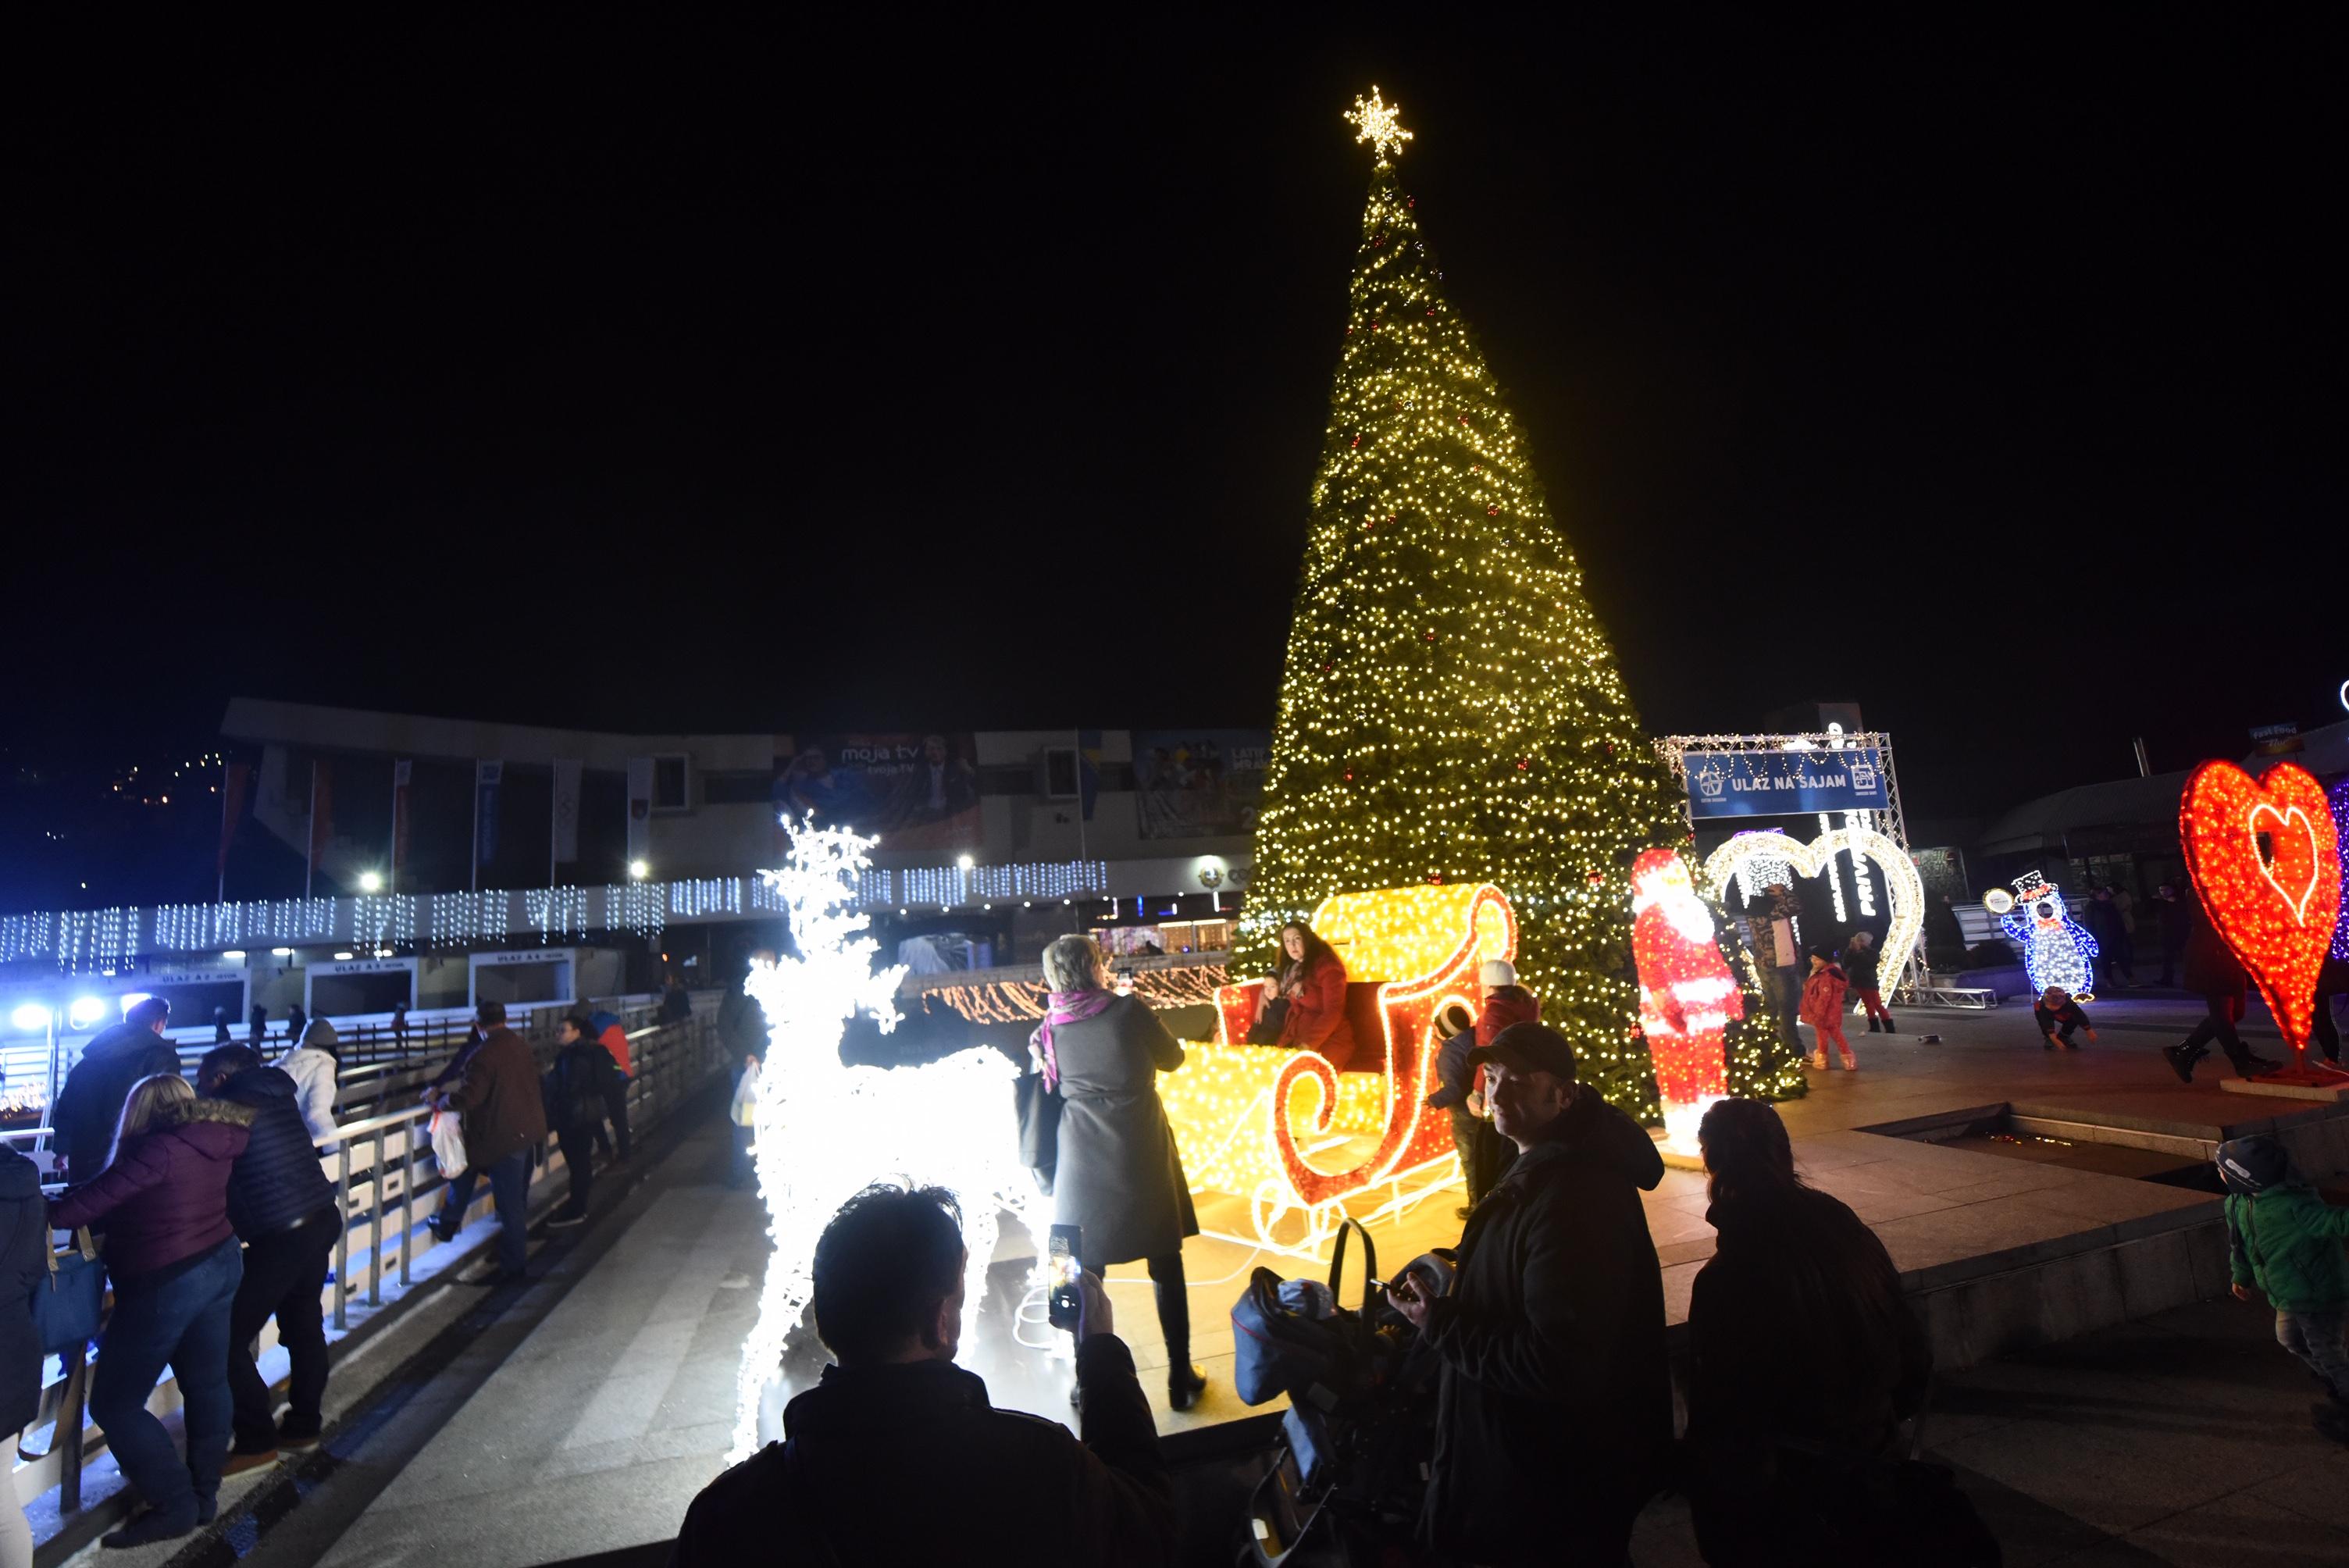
2264	856
2056	949
1450	709
2340	802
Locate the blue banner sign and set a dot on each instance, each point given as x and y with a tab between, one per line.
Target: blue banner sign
1785	783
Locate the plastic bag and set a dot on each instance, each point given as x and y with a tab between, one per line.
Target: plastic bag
447	1143
746	1095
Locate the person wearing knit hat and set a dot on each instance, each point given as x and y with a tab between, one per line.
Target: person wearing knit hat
1483	1153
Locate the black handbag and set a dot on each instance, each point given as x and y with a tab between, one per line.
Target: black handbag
1038	1110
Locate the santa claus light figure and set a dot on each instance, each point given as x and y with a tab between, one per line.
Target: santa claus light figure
1687	994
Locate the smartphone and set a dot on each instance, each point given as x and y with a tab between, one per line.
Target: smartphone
1064	1253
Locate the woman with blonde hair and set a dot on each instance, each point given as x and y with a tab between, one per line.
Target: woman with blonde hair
1119	1178
173	1260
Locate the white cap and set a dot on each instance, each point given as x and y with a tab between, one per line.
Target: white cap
1497	973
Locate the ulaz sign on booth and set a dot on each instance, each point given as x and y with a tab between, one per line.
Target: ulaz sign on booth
1785	783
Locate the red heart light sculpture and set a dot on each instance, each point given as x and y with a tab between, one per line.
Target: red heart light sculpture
2264	857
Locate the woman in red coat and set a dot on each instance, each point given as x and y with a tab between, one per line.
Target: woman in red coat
1313	983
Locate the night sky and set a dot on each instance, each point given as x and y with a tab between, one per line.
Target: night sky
793	380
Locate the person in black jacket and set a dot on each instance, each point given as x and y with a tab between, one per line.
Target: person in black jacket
897	1455
24	1269
2056	1014
1554	1409
91	1102
285	1212
1805	1357
576	1088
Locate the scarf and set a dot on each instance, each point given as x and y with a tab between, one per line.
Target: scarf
1065	1007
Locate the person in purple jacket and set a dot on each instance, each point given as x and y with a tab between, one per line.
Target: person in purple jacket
173	1257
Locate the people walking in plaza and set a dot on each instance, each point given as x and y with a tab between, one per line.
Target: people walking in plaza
2212	974
742	1031
173	1258
1805	1357
2285	1239
297	1022
897	1455
89	1105
285	1212
1861	963
1119	1177
258	1028
220	1026
1554	1406
1777	950
607	1030
1823	1000
2174	923
399	1026
2114	950
1310	990
313	1065
504	1123
24	1268
2059	1017
1484	1153
575	1090
676	1006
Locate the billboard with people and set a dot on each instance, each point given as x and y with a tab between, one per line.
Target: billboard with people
918	791
1198	783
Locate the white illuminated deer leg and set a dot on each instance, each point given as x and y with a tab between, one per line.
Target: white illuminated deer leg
823	1131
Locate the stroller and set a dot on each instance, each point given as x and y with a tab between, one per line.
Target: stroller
1345	1485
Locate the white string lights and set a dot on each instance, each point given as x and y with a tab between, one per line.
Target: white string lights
823	1131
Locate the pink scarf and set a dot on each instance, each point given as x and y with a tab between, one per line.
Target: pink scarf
1065	1007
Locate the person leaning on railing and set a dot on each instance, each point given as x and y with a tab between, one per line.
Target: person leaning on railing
173	1259
285	1212
23	1240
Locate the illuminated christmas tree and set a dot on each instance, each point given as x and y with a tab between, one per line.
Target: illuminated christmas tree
1450	708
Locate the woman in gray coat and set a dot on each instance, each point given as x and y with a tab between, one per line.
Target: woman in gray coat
1119	1176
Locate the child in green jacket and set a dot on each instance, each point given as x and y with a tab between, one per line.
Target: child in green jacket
2286	1239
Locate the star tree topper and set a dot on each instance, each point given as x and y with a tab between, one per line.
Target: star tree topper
1375	122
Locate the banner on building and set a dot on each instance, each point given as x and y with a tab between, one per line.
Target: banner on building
1198	783
237	778
487	778
403	775
322	818
640	808
918	791
567	771
1785	783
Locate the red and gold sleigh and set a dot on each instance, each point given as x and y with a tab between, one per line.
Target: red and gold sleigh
1362	1141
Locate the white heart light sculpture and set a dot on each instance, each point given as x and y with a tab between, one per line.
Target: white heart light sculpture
1905	888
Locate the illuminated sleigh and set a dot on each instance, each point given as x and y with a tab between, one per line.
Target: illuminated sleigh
1361	1141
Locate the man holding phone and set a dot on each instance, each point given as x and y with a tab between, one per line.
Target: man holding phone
1555	1404
897	1455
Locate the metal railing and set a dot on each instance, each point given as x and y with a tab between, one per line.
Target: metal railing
378	1181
